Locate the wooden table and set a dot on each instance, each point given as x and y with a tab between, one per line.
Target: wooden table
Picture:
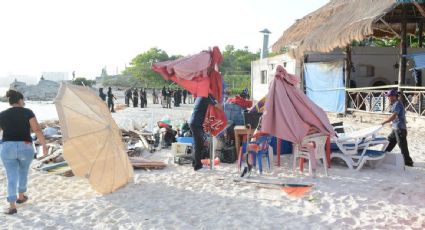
239	131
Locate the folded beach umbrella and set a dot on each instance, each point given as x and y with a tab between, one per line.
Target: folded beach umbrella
199	74
289	113
92	143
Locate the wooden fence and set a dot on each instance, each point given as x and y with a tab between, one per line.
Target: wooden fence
372	99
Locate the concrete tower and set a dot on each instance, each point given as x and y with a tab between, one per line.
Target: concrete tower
265	49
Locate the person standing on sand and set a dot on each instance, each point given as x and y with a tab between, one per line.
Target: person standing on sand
128	96
190	97
142	99
135	98
164	97
102	95
17	149
169	94
154	98
111	98
145	96
184	96
196	121
398	124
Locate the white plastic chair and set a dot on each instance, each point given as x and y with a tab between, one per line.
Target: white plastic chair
301	151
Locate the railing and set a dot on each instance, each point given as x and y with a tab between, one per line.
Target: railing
372	99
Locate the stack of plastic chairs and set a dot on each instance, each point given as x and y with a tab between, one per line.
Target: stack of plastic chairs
256	150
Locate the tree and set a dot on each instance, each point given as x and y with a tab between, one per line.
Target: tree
83	81
237	61
140	66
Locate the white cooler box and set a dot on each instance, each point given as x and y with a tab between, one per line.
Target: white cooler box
179	148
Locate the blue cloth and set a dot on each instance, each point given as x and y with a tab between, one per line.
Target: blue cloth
234	113
285	146
419	59
199	110
16	157
400	121
325	85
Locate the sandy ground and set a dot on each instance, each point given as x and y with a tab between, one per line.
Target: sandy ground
179	198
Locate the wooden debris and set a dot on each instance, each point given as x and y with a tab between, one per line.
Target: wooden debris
141	163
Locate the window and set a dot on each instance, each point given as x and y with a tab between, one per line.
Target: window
263	76
366	71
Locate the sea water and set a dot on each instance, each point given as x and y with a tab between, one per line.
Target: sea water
43	110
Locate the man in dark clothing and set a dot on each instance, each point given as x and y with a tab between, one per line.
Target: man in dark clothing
196	121
102	95
184	96
164	97
154	97
145	96
398	124
111	98
142	99
128	96
135	98
169	94
179	96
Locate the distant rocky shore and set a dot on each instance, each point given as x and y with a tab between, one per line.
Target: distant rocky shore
45	90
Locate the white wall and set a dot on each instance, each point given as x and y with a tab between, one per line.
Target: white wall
258	89
382	59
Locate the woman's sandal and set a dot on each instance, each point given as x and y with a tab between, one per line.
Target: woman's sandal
11	211
18	201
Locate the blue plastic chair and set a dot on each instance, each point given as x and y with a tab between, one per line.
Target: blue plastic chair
263	143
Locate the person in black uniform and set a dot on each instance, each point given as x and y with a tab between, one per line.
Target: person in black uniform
111	98
135	98
102	95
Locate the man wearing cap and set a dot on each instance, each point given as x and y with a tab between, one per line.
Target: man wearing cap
398	124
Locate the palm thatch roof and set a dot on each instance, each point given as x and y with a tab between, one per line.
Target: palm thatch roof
340	22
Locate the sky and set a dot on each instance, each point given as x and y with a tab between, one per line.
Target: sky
86	35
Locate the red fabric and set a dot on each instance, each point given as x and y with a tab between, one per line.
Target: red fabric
189	72
241	102
215	120
216	86
198	87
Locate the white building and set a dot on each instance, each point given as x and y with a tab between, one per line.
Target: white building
373	66
55	76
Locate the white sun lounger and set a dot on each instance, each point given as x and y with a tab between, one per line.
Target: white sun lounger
354	147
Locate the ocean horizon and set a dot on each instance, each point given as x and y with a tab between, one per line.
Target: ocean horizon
43	110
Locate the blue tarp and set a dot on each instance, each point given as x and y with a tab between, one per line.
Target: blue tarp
325	85
419	59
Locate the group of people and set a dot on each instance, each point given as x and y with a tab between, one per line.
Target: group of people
110	96
134	95
178	95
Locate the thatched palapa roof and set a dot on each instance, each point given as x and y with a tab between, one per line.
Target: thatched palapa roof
340	22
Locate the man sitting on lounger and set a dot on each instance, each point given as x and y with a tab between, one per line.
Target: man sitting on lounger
399	131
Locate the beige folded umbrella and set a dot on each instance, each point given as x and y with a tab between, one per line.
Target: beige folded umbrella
91	139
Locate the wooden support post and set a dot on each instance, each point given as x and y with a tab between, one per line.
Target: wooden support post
403	52
419	72
420	34
347	72
302	75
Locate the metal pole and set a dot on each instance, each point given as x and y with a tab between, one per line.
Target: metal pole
347	76
403	52
211	152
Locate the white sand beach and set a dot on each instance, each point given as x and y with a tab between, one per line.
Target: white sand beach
179	198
